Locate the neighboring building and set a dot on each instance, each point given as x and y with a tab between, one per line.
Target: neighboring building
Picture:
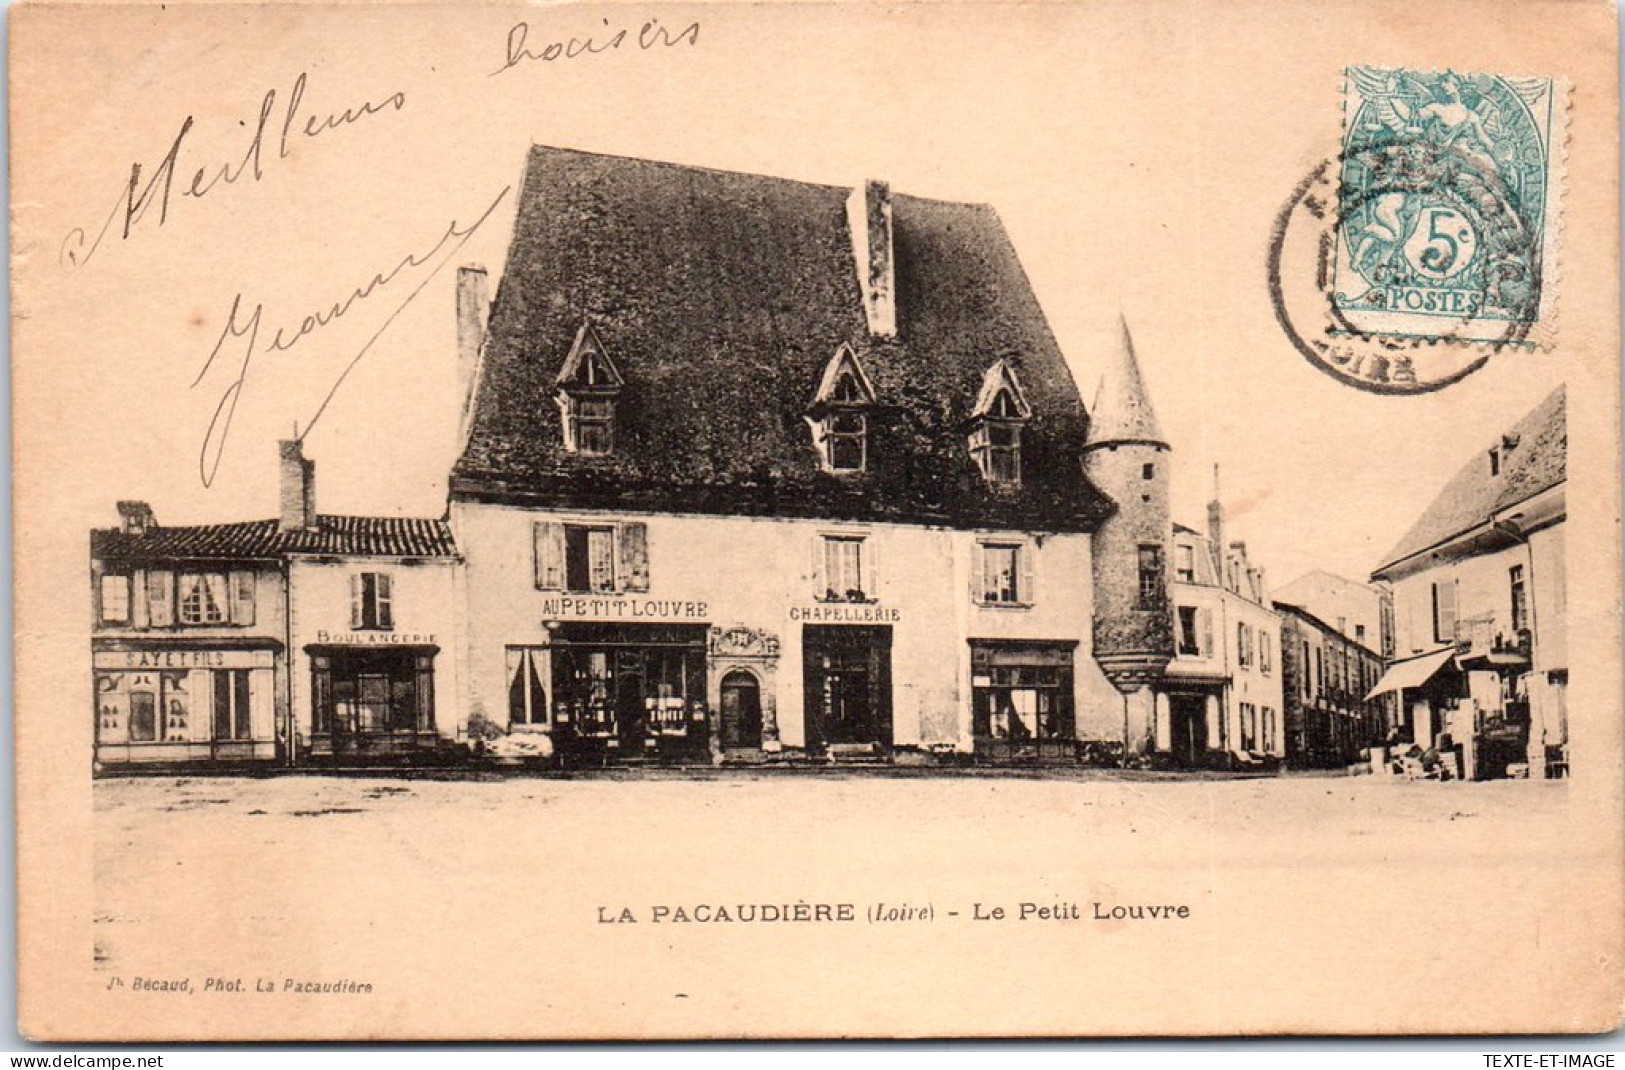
1220	700
1360	611
304	637
1480	606
375	627
188	642
1326	679
757	466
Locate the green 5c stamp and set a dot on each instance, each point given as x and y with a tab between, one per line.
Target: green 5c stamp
1447	207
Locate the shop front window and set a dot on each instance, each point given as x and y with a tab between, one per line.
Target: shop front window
1022	692
527	698
231	704
366	692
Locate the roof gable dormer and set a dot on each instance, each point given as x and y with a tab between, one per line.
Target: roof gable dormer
843	384
1001	396
588	367
839	413
587	387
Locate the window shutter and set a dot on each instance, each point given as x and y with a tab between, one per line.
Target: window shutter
635	556
1027	594
384	596
819	549
160	598
549	556
978	574
868	573
357	618
242	598
1207	633
1444	611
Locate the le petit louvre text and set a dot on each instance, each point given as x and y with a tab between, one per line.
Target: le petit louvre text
882	912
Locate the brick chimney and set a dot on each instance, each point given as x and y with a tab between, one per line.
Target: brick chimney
868	214
298	488
135	518
473	304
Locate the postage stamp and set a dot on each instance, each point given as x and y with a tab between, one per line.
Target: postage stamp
1447	206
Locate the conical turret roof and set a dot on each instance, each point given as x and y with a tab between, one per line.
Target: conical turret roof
1122	411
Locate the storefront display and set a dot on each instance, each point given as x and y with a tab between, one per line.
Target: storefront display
1021	700
371	700
630	691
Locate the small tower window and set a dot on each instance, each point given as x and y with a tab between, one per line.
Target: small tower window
1148	471
588	386
1495	461
839	414
997	421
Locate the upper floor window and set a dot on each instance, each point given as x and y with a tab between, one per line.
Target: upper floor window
1190	643
1185	563
115	598
997	420
371	601
201	598
592	558
839	414
588	385
1005	574
1520	603
843	572
1263	652
1244	645
1153	591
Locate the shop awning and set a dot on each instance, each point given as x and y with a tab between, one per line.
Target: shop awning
1404	675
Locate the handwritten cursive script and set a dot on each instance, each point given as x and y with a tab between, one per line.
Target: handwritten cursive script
650	35
244	327
137	200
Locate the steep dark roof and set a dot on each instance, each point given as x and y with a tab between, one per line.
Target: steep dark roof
721	298
1536	462
261	540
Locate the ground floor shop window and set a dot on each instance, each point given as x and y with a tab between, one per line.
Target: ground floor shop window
182	706
527	698
144	707
847	677
1022	692
232	706
372	692
637	688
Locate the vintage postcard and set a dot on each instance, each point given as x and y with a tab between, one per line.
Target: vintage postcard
816	520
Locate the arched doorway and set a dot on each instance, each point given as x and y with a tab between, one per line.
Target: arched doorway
741	726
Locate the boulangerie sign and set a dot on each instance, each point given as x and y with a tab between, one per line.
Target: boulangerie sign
806	520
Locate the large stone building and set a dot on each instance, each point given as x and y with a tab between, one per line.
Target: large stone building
756	466
1480	606
750	469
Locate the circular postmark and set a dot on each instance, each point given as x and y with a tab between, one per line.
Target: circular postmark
1405	263
1307	237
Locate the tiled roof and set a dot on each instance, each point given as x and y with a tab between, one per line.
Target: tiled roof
364	536
721	298
1535	461
380	536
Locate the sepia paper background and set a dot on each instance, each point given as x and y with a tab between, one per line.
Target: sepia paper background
1139	155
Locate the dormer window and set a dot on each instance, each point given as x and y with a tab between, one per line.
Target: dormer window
588	386
996	424
839	414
